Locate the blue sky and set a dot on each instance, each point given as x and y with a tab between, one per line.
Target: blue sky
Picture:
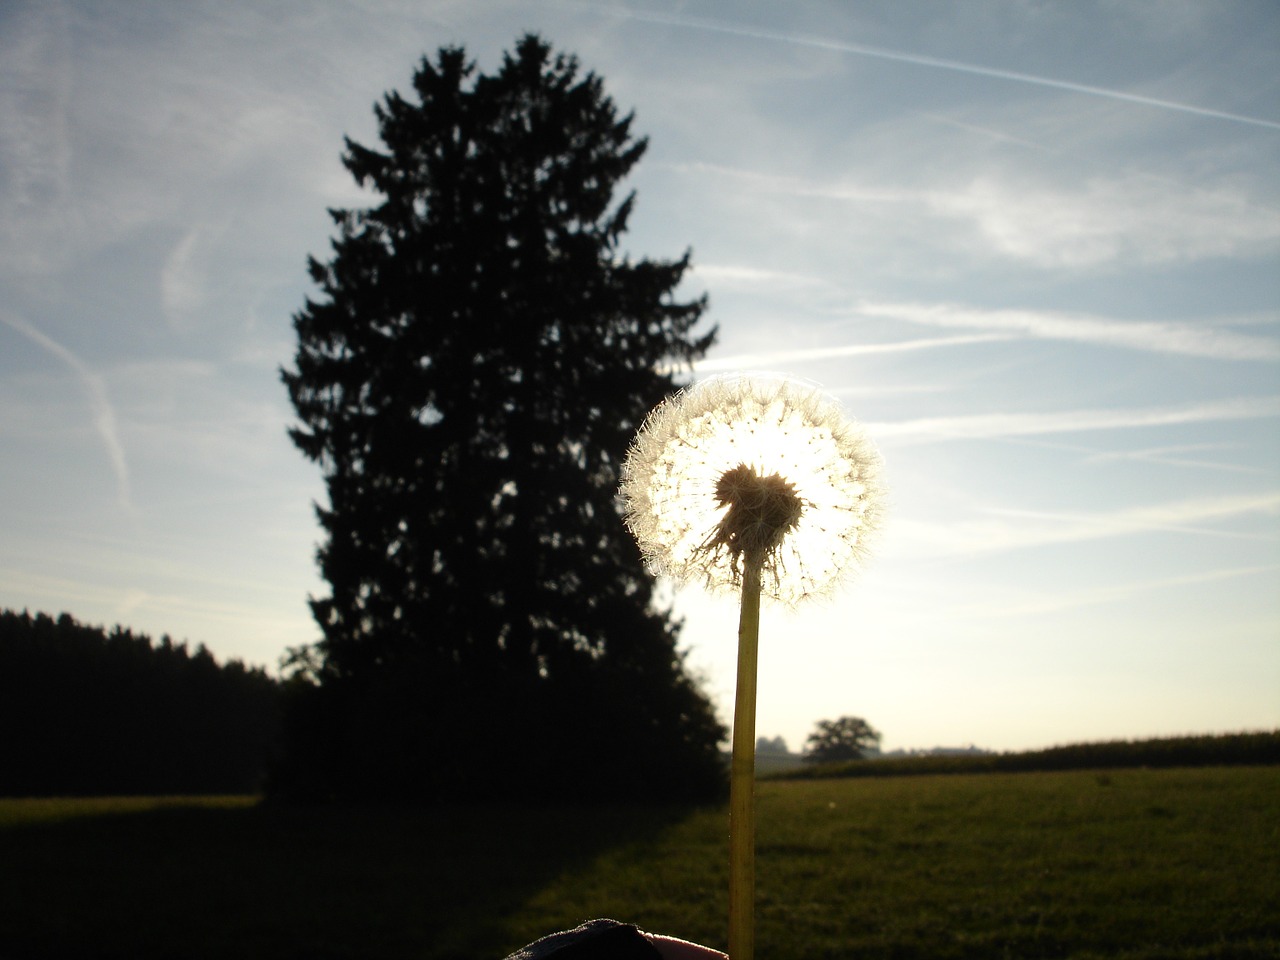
1033	247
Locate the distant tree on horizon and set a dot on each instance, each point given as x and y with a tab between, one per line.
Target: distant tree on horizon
848	738
480	355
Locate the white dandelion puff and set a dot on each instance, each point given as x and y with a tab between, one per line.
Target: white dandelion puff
736	468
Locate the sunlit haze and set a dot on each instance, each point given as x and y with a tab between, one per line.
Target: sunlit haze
1033	248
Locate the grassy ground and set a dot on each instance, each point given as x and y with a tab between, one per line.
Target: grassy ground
1128	863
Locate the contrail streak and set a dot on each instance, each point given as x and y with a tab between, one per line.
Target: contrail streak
104	418
956	66
1161	336
993	426
744	360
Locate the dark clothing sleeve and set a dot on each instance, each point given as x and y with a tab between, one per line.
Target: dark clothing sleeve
594	940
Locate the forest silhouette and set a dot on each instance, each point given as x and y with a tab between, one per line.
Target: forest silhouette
86	711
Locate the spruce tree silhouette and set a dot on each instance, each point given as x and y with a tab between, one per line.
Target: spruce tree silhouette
469	380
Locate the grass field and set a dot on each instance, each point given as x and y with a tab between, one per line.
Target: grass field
1181	863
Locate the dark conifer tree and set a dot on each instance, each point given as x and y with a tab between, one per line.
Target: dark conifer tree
482	353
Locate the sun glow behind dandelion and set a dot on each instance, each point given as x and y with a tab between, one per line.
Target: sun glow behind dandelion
775	427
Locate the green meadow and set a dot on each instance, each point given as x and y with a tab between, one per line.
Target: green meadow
1129	863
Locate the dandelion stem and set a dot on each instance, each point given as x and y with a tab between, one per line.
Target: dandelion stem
742	773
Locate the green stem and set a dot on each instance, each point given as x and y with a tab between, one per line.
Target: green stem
742	774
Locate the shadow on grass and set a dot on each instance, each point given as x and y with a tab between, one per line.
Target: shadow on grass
265	881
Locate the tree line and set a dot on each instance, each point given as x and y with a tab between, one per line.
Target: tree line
1248	748
90	711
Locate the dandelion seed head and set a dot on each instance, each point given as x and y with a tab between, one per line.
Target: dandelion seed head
736	468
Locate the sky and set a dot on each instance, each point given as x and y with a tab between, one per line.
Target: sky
1033	247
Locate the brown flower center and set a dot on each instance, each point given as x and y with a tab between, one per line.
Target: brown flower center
762	511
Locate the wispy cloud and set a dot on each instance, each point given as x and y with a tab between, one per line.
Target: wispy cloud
104	418
1109	218
183	288
1179	516
776	358
1174	456
1000	530
1111	593
938	63
36	87
763	183
986	132
1199	340
996	425
747	276
1037	216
